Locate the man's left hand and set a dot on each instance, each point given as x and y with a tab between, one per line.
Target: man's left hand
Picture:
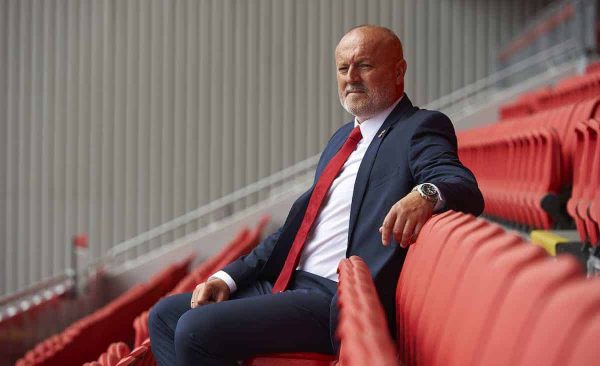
405	219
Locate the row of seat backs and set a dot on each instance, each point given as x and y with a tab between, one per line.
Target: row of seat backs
91	335
567	91
115	352
362	330
515	170
584	204
525	156
472	294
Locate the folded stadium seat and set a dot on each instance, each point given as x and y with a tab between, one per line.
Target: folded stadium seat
594	209
481	246
481	291
108	359
557	332
119	349
581	112
592	182
521	306
544	177
584	183
362	329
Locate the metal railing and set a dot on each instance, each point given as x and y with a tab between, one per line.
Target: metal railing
266	188
481	90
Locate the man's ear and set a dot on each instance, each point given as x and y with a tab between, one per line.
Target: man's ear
400	70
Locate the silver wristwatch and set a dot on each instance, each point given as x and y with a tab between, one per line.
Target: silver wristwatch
428	191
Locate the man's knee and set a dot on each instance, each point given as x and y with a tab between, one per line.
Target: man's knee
198	331
164	313
155	316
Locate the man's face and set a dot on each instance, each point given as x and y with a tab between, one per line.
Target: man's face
369	78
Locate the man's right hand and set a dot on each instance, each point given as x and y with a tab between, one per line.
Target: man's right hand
213	290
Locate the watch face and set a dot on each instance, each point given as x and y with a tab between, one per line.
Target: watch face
429	190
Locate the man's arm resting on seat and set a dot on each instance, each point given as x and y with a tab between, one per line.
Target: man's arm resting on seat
433	159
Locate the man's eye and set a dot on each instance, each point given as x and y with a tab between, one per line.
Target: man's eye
342	69
365	66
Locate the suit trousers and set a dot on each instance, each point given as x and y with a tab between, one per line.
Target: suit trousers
253	321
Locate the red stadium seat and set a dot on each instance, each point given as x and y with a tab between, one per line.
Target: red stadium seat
585	351
413	268
108	359
119	349
432	260
521	306
482	289
581	206
556	334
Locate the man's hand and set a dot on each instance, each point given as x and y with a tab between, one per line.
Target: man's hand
405	219
213	290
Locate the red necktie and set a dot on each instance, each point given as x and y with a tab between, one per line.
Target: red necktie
314	204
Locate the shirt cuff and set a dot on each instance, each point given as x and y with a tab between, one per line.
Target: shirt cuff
440	202
222	275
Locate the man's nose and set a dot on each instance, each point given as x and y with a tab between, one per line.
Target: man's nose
353	74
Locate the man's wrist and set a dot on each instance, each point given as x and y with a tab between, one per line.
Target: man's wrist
425	190
225	277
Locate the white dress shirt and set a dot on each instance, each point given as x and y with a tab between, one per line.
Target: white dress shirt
327	242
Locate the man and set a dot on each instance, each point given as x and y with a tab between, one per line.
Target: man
282	296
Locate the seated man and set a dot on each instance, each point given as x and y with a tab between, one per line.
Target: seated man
379	179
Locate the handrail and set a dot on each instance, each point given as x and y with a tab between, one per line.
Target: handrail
44	290
285	175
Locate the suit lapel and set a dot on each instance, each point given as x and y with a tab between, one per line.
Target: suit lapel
364	171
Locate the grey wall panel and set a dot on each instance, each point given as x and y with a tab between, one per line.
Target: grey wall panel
3	139
117	116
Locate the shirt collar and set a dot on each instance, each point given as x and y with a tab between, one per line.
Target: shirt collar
369	127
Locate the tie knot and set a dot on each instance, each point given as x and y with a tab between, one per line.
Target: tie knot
355	134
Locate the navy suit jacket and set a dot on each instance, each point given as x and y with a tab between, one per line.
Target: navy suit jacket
412	146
